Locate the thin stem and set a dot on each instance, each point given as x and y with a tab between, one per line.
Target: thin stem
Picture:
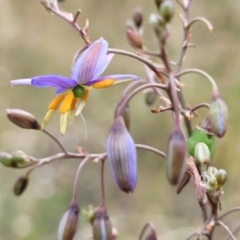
201	19
191	235
102	182
145	227
55	140
233	231
126	100
200	105
151	149
220	223
201	72
132	85
79	170
229	212
132	55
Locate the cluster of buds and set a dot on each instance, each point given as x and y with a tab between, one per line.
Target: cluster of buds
213	181
17	159
159	21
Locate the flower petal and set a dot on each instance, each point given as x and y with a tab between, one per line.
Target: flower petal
119	78
53	81
91	63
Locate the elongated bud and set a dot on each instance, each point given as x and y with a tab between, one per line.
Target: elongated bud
221	177
23	119
202	154
158	3
176	156
134	39
102	227
158	24
69	222
20	185
138	17
167	10
150	98
122	156
218	115
6	160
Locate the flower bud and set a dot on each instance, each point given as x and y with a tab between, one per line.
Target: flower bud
201	154
23	119
6	159
212	171
158	3
20	185
221	177
167	10
150	98
47	4
134	39
176	156
69	222
212	184
102	227
158	24
122	156
138	17
218	115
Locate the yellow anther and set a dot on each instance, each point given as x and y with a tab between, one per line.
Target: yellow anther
73	105
67	102
104	84
54	104
85	97
63	123
47	118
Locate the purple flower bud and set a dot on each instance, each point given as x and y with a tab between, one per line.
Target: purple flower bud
20	185
102	227
69	222
122	156
134	39
138	17
23	119
176	156
218	115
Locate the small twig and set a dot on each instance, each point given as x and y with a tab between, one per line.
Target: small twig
200	105
55	140
220	223
126	100
201	19
191	235
151	149
79	170
229	212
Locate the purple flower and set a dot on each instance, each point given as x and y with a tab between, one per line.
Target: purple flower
73	92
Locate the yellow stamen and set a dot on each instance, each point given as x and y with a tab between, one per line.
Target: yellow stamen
47	118
86	94
63	123
54	104
67	102
104	84
72	109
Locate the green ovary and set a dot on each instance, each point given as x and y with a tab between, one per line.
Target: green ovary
78	91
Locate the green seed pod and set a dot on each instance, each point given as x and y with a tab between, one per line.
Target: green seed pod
176	156
167	10
201	155
150	98
69	222
138	17
23	119
20	185
218	115
78	91
102	227
202	133
221	177
134	39
6	160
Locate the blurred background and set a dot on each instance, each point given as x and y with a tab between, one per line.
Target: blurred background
34	42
